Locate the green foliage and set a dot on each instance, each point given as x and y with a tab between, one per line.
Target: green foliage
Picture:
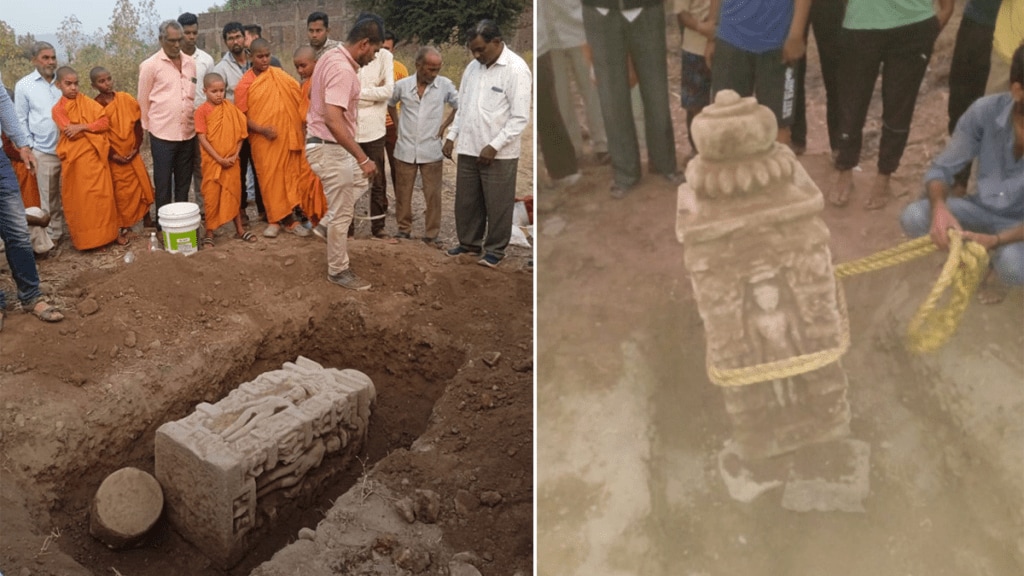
240	4
15	57
442	21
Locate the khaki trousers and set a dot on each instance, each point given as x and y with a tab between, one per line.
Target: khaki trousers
48	179
344	183
405	178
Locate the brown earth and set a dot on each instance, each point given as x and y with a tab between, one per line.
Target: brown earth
629	427
83	398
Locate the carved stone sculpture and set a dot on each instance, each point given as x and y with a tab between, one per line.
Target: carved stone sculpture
227	467
762	275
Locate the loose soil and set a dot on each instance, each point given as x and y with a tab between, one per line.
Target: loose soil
629	427
83	398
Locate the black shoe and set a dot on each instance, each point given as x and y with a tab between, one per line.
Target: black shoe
459	250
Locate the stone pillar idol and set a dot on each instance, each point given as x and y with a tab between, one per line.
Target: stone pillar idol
758	257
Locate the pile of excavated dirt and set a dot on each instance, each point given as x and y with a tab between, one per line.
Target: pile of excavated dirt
448	344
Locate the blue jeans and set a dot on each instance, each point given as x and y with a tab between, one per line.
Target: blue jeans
14	232
1007	260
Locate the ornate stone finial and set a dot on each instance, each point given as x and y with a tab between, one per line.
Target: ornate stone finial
738	152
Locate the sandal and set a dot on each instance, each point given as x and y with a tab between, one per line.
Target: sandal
246	237
207	242
48	313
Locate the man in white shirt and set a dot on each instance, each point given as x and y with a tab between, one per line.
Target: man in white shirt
420	125
34	98
494	108
377	81
204	63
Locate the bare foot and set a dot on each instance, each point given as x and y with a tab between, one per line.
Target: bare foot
880	195
839	194
991	291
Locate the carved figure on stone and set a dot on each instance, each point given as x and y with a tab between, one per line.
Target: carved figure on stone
773	332
256	411
292	474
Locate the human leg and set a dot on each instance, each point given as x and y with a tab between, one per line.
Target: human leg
163	162
244	160
645	40
607	38
562	66
378	191
470	209
197	177
498	181
14	233
184	154
731	69
1008	263
859	60
390	140
826	18
432	198
48	180
968	74
694	90
405	176
580	72
335	168
553	139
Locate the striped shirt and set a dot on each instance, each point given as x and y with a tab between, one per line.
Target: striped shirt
34	99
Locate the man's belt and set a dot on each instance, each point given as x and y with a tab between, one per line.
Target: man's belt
315	140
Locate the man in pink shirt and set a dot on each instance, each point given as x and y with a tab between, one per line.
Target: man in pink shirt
333	153
167	91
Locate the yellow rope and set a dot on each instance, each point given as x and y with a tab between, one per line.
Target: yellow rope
930	328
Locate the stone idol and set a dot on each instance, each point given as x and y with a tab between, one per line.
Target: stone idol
758	257
228	467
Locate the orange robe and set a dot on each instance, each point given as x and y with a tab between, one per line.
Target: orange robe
87	191
26	180
133	192
272	99
224	127
311	191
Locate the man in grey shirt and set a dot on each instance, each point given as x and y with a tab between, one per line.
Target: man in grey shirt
34	98
421	124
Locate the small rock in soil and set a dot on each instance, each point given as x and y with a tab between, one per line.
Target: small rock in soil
409	289
490	498
21	369
486	400
492	358
130	340
114	351
77	378
456	568
414	560
523	366
289	261
20	420
428	506
468	558
465	502
437	305
88	307
405	509
307	534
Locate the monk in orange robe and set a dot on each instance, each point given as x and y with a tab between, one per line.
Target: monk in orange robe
269	97
133	192
311	191
220	127
86	187
26	180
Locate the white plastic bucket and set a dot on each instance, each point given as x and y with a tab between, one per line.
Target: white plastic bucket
179	222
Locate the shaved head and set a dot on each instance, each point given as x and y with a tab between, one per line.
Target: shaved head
210	78
259	44
304	52
95	73
65	71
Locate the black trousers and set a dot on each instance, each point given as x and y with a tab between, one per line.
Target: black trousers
968	74
902	53
552	136
826	18
244	161
172	170
374	150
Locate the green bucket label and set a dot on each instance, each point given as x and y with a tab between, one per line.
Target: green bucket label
181	241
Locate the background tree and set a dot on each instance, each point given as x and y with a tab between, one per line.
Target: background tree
70	37
15	60
442	21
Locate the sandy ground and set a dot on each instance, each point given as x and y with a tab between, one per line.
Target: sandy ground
630	427
144	342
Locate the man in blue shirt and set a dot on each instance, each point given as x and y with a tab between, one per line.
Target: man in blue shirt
34	98
753	47
992	130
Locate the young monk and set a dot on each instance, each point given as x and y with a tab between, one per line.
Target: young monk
133	192
312	200
83	149
221	130
269	97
